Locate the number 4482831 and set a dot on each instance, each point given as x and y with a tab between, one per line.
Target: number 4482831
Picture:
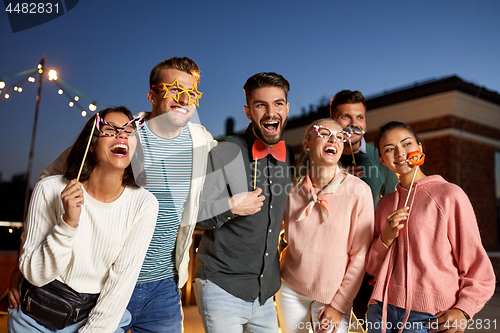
33	8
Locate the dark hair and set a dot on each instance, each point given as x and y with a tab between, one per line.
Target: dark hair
75	156
265	79
390	126
183	64
346	97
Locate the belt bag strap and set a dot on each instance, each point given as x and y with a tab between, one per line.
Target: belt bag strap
56	305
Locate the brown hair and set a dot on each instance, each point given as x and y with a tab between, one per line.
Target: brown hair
265	79
183	64
346	97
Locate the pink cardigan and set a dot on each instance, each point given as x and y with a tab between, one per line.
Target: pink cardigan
438	252
326	261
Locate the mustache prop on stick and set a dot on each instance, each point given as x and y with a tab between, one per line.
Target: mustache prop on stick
355	130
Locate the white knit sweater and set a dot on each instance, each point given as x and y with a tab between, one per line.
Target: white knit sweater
102	255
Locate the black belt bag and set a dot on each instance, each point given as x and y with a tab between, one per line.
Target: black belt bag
56	305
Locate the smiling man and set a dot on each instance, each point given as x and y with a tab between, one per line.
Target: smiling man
348	108
175	155
242	206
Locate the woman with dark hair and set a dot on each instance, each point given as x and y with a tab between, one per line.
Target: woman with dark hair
85	239
432	273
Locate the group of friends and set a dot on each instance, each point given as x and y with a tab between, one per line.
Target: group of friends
116	223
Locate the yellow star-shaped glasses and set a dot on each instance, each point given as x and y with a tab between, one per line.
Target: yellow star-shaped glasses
174	90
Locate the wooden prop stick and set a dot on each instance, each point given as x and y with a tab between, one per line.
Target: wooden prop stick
86	150
255	176
352	153
411	186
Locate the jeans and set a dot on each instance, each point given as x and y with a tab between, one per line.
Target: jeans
395	316
156	307
297	313
19	322
222	312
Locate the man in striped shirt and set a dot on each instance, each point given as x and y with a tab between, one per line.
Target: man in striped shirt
175	155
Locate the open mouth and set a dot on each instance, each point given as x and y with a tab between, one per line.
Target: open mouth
271	126
119	150
330	150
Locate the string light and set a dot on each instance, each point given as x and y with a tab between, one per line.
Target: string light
63	88
52	75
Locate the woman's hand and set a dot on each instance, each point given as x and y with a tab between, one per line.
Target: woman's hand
393	225
449	321
329	318
72	198
14	293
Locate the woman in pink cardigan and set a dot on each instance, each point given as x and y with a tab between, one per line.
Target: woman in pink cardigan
328	226
432	273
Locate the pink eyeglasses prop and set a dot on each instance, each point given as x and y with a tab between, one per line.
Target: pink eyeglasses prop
107	129
325	133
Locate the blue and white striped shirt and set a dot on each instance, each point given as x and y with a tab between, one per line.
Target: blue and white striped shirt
168	165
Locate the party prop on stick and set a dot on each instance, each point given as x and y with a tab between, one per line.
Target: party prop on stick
355	130
417	159
255	175
87	149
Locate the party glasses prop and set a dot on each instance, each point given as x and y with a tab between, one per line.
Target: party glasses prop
174	90
108	129
325	133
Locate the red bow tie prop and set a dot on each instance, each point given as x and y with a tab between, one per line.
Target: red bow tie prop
260	150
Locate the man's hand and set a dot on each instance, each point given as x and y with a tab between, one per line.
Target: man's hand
72	198
14	294
246	203
355	170
329	318
393	225
449	321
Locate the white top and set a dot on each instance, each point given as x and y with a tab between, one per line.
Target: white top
102	255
